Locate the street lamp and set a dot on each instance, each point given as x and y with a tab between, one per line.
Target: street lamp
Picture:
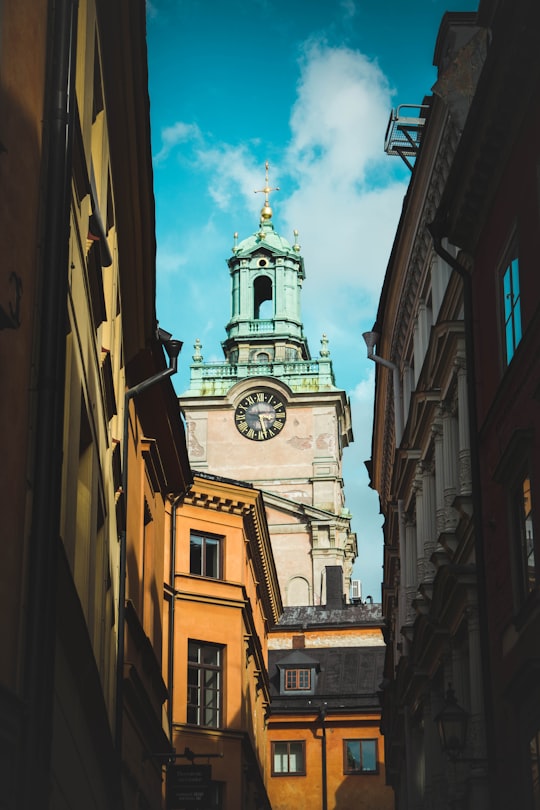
452	723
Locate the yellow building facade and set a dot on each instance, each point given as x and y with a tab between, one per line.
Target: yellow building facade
225	600
81	564
325	747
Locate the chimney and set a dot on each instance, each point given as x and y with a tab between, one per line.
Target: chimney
334	587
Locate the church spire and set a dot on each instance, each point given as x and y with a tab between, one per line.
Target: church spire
266	211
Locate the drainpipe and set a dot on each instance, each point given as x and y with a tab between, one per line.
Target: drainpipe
44	537
172	348
371	339
476	490
172	595
324	788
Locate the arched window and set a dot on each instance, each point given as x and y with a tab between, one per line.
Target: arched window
263	295
298	591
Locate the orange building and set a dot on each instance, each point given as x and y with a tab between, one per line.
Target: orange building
223	600
81	692
325	747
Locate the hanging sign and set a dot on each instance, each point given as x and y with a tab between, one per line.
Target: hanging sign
188	787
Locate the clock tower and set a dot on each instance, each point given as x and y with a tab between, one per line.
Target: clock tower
272	415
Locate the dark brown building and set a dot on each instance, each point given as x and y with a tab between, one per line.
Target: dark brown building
455	444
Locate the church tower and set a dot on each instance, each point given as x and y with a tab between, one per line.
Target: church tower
271	415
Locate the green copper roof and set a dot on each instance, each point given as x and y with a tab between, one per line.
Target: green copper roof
266	237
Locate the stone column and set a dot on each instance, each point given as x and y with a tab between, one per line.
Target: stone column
450	462
437	434
410	583
465	476
428	518
417	487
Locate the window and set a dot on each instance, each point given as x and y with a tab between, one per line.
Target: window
360	756
204	680
523	517
512	308
297	680
512	473
205	555
288	758
263	294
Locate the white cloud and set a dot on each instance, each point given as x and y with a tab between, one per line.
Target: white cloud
339	118
362	393
173	136
346	206
349	9
233	170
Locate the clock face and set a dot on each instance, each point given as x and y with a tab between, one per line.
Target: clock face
260	415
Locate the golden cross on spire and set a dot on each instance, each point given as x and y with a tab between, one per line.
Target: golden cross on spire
266	212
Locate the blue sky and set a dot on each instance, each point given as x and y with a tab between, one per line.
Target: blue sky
309	87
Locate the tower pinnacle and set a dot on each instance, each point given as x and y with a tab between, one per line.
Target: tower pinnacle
266	211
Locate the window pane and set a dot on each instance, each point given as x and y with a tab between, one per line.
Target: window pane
303	679
509	341
512	308
507	292
280	757
369	755
195	554
290	679
204	684
352	748
527	536
517	322
193	651
210	655
211	558
296	757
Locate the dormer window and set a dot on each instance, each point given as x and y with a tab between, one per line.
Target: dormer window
297	680
297	674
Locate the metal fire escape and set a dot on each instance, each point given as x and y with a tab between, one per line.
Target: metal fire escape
404	131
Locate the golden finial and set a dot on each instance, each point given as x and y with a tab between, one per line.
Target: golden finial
266	211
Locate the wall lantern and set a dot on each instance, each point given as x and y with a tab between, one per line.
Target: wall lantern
452	723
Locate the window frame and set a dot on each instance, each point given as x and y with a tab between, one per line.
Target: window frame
520	522
299	673
360	771
288	743
206	537
515	466
205	669
512	328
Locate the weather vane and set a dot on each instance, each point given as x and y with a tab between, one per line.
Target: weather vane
266	212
